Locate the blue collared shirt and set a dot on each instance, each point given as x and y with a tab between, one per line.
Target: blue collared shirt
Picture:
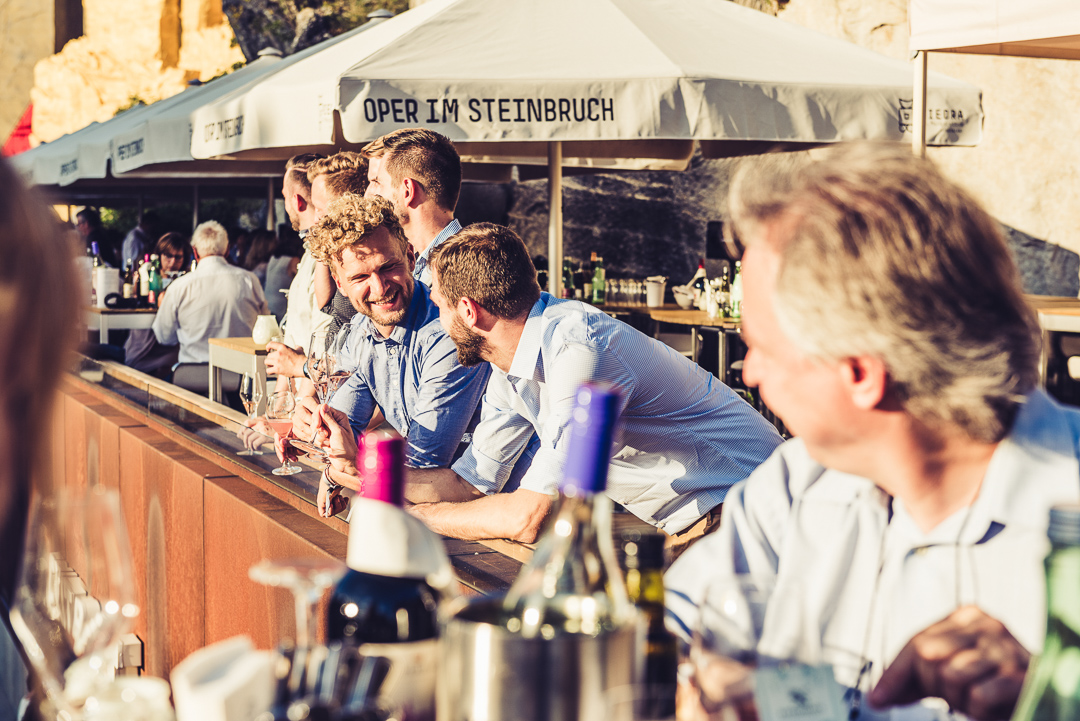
422	272
684	436
415	379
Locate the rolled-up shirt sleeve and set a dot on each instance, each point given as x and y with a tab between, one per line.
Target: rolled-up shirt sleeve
498	440
448	395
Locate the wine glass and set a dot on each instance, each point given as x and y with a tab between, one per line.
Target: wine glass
322	362
75	595
250	395
279	412
308	579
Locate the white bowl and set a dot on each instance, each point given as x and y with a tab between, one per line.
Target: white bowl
685	301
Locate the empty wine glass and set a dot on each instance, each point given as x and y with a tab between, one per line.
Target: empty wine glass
322	361
308	579
75	596
250	396
279	413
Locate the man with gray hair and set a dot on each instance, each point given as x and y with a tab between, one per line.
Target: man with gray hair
216	300
903	529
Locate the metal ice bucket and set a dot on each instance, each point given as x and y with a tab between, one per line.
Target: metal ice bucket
487	673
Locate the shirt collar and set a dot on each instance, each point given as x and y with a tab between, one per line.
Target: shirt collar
527	354
210	261
418	314
452	228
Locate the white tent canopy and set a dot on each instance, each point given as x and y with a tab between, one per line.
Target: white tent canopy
1033	28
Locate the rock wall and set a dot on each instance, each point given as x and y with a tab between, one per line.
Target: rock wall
131	50
26	36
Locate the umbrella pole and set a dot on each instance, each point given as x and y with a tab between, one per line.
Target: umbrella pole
555	221
194	206
270	220
918	139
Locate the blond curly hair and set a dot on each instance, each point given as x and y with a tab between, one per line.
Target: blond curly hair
348	221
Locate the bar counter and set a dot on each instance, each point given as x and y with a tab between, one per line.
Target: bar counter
199	516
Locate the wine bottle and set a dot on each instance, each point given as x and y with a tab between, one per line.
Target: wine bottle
144	281
398	571
697	283
737	291
572	583
644	561
1052	686
599	280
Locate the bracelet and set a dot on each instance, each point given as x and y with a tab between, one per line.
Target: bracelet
330	484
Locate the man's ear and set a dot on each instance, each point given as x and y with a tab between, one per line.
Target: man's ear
414	193
301	203
866	379
469	311
410	254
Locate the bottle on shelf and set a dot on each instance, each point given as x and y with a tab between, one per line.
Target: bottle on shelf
582	283
697	283
725	293
1052	686
644	561
144	281
567	279
736	291
129	281
599	280
155	281
387	601
96	261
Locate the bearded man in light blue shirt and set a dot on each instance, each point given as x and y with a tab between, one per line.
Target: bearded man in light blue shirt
904	527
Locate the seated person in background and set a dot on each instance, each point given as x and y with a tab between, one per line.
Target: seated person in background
905	525
142	350
216	300
280	271
403	362
685	436
257	259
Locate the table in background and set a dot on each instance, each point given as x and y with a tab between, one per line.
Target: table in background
239	355
1056	315
106	319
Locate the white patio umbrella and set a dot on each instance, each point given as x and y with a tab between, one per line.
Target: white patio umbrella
593	83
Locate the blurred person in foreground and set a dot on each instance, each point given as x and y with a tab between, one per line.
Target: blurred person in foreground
905	525
39	312
404	364
216	300
685	437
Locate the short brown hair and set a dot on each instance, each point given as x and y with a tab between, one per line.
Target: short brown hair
425	156
490	265
881	255
348	221
346	172
296	169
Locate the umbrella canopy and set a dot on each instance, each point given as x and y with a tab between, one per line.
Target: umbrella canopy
1032	28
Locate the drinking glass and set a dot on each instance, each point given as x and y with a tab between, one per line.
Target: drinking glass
75	595
250	395
308	579
322	362
724	647
279	412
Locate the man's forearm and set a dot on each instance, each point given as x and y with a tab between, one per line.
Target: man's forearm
431	485
516	516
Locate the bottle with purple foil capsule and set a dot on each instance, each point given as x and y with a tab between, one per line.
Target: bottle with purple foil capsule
572	584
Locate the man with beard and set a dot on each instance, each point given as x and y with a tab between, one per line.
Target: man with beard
404	362
419	171
685	437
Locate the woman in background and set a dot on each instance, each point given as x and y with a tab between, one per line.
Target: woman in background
39	307
263	245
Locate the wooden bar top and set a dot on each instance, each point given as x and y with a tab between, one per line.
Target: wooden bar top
243	345
122	311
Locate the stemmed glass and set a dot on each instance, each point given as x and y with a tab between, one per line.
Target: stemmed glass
75	596
250	395
322	362
308	579
279	412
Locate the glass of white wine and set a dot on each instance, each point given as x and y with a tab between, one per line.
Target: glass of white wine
250	395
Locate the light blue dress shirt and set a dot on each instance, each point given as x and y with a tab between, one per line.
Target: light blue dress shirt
684	437
855	577
415	378
421	271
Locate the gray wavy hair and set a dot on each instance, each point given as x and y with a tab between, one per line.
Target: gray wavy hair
210	238
881	255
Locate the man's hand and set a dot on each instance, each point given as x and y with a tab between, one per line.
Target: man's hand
334	433
255	433
969	659
330	503
281	360
303	419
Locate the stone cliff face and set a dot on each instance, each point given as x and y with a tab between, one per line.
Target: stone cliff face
26	36
131	50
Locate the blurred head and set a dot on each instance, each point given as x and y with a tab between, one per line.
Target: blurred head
174	251
418	156
39	305
263	244
363	243
870	252
209	239
333	177
87	220
296	189
490	265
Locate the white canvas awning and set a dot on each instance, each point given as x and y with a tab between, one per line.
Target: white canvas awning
1032	28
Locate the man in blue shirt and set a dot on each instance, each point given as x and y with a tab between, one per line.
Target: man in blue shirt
685	437
403	362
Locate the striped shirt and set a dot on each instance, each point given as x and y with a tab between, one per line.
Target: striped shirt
684	436
421	272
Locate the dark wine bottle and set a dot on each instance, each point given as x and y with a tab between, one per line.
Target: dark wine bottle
644	561
388	600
